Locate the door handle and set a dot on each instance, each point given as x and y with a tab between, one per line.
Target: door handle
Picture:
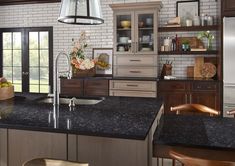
25	73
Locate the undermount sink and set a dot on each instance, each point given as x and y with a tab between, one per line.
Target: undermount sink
76	101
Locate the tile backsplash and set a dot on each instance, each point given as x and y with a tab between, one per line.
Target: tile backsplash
100	36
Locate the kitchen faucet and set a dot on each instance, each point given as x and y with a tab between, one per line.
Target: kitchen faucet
56	100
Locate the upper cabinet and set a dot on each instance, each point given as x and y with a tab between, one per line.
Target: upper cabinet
228	7
19	2
135	31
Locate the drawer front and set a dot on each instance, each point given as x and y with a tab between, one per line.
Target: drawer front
135	60
73	83
121	71
96	92
201	86
132	93
71	92
97	84
133	85
173	86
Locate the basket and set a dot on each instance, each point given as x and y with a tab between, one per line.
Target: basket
6	93
83	73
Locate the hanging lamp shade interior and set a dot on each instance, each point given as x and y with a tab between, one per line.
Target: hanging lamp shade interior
82	12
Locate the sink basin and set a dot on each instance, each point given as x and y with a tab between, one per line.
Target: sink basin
76	101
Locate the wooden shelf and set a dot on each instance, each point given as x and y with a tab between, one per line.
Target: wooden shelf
187	52
124	29
192	28
146	28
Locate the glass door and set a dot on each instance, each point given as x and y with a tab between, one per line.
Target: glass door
123	28
146	32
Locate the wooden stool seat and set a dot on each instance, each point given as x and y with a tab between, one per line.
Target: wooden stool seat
52	162
187	159
194	108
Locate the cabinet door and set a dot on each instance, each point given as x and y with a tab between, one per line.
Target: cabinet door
96	87
209	99
26	145
228	7
146	32
173	99
3	147
71	87
123	32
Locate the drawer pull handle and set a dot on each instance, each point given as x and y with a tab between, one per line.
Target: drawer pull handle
132	85
135	60
135	71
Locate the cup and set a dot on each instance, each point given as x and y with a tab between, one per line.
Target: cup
196	21
189	23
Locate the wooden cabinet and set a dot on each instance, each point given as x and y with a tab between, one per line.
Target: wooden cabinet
185	92
135	39
26	145
132	88
3	147
228	7
84	87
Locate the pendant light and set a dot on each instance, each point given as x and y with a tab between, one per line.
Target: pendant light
81	12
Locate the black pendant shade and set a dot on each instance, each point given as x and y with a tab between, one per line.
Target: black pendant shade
81	12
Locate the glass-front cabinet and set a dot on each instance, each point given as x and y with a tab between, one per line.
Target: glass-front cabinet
135	32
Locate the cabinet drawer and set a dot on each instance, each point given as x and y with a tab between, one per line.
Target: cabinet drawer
97	84
197	86
133	85
96	92
121	71
135	60
173	86
73	83
132	93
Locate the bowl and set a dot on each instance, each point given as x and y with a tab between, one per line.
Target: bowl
124	39
125	24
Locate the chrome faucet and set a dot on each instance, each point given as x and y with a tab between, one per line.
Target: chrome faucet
56	100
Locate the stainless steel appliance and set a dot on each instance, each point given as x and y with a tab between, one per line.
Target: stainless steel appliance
228	64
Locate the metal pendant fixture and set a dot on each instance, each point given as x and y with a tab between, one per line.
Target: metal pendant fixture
81	12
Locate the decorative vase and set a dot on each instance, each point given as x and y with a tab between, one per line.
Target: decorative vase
83	73
209	44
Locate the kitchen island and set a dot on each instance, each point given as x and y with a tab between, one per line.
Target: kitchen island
116	131
200	136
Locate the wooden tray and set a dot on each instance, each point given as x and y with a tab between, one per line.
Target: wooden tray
6	93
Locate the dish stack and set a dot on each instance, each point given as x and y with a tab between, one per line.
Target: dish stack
6	89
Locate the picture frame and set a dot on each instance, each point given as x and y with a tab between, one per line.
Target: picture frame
187	10
103	55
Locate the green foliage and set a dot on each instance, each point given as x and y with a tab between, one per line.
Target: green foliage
205	34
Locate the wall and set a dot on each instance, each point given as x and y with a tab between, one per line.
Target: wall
36	15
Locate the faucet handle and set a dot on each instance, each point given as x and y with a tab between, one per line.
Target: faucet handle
70	74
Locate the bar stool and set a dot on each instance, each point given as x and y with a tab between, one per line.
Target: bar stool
194	108
52	162
189	160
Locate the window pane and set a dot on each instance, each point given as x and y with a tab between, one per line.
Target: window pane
44	58
33	58
7	58
34	88
17	58
17	40
7	40
17	76
34	76
44	40
17	88
33	40
44	88
7	73
44	76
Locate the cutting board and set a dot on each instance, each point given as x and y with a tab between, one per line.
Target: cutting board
199	61
190	71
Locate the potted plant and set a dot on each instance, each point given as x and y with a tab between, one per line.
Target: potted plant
209	37
185	45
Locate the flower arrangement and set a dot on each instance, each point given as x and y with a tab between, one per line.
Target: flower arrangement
209	36
77	54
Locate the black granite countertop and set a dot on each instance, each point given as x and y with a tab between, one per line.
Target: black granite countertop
118	117
196	131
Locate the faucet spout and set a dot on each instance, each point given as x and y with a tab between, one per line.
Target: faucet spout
55	90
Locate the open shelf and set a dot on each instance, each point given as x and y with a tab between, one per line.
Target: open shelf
187	52
192	28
